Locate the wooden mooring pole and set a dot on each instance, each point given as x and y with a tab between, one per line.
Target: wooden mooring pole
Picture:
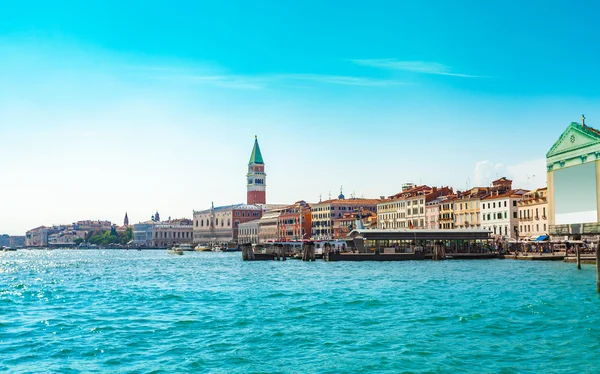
578	252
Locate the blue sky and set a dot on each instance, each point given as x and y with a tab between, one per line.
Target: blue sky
111	106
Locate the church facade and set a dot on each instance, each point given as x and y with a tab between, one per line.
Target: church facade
573	174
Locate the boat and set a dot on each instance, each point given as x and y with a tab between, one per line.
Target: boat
186	247
175	250
202	248
231	247
219	248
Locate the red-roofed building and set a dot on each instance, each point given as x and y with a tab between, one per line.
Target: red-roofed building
499	213
406	209
292	218
325	212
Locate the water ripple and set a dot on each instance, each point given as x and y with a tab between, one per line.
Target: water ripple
131	311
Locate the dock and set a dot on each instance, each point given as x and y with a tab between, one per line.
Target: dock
536	257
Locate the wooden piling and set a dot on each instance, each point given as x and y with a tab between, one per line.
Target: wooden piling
308	252
244	253
578	253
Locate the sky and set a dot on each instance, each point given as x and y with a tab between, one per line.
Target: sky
109	107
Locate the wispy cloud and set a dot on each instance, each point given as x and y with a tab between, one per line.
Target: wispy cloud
414	66
230	81
259	82
342	80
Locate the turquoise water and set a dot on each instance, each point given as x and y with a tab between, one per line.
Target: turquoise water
131	311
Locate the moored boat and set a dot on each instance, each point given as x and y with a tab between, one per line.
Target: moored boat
186	247
202	248
218	248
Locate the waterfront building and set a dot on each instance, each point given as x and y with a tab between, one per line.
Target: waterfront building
256	177
432	213
167	234
350	221
37	237
573	165
16	241
220	224
248	232
446	219
143	233
533	217
295	222
406	209
268	225
324	212
4	240
499	213
467	205
65	238
92	225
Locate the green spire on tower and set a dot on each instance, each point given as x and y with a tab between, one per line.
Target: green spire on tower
256	156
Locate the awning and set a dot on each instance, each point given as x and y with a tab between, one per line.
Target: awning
541	238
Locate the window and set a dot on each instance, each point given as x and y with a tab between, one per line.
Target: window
494	205
505	204
514	214
514	202
504	214
196	223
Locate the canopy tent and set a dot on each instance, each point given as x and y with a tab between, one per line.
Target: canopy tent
542	238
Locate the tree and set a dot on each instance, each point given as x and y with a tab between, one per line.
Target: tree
78	241
126	236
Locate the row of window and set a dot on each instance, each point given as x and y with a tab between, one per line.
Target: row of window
401	225
527	228
493	205
528	213
499	230
497	215
176	234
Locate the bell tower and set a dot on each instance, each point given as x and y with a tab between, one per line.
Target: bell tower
256	177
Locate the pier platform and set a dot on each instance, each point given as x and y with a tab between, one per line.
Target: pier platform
536	257
584	259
